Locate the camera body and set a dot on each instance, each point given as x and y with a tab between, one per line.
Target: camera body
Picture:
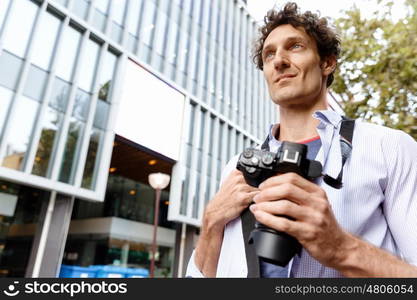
258	165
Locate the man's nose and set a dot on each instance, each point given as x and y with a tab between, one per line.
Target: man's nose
281	61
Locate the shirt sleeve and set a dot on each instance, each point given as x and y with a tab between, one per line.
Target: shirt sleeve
192	270
400	205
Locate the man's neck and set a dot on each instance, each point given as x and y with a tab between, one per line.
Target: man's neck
298	124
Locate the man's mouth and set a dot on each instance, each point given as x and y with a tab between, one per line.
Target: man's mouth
284	76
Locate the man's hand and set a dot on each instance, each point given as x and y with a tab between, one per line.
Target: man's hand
314	224
233	197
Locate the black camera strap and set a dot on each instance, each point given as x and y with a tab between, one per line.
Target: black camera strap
248	220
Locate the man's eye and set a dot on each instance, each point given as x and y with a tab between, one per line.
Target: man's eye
269	55
296	46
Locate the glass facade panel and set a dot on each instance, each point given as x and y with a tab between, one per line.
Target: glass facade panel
4	5
35	83
10	69
72	146
69	53
106	75
44	41
62	2
102	5
47	142
80	8
101	115
133	22
20	133
19	24
148	25
99	20
74	137
88	68
116	32
118	9
93	155
160	33
5	99
100	13
59	94
81	105
172	47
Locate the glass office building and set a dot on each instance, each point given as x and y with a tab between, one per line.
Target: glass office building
97	94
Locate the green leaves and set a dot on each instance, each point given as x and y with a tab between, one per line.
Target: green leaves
377	77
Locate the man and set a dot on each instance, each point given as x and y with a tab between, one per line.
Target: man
367	228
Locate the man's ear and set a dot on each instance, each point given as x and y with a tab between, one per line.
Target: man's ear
328	65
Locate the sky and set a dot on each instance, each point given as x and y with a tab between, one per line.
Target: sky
328	8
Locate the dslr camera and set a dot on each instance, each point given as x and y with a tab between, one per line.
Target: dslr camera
258	165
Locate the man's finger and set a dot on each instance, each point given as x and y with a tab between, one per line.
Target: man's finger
284	191
293	178
278	223
286	208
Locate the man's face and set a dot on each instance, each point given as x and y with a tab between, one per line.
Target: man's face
292	67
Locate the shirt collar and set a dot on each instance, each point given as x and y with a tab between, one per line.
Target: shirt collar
326	117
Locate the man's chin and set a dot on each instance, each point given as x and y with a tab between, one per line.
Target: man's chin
282	100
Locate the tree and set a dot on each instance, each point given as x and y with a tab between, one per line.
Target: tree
377	78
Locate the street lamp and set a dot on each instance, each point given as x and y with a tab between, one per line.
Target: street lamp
158	181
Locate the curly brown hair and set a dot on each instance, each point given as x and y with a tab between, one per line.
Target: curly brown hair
327	40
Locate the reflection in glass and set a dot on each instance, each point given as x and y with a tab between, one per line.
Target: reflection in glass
101	115
81	105
10	69
20	133
74	138
19	24
68	53
59	94
90	169
5	98
106	75
88	68
72	146
44	41
47	141
35	83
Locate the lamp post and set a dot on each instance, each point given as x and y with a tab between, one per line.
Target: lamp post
158	182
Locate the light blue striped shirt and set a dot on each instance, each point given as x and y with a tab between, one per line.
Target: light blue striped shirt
378	201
